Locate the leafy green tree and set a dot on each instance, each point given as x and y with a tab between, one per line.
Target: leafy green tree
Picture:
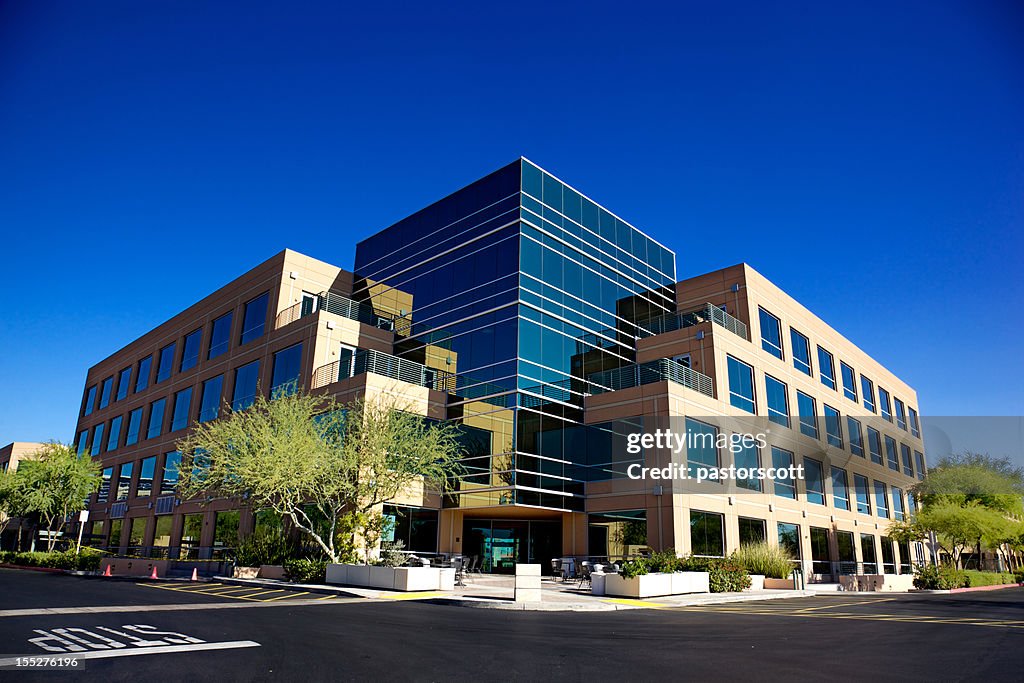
55	482
310	459
13	504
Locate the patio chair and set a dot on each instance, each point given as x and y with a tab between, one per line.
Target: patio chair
584	574
460	570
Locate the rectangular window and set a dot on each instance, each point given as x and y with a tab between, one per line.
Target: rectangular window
124	380
801	352
246	379
182	406
915	426
826	368
254	318
134	424
867	390
888	556
860	487
707	537
209	406
814	478
881	500
856	436
701	446
156	418
748	457
771	333
883	404
867	551
172	463
833	426
890	453
83	441
778	401
908	463
97	439
163	368
142	376
162	531
821	562
849	381
220	336
190	350
847	552
147	468
840	489
919	461
108	386
901	414
287	369
789	538
898	512
784	486
124	481
875	446
752	531
115	433
90	400
104	494
741	385
808	419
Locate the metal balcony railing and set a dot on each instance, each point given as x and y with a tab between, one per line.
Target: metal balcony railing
378	363
648	373
677	321
339	304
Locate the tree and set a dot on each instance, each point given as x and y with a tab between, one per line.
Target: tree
309	459
55	482
12	501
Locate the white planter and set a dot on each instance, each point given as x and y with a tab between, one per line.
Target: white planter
446	578
597	585
416	579
337	573
382	577
756	582
652	585
690	582
392	578
358	575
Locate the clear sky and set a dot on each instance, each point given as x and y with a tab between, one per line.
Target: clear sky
867	157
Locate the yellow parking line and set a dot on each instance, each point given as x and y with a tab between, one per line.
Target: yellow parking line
326	597
846	604
289	595
635	603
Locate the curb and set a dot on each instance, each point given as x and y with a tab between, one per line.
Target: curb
970	589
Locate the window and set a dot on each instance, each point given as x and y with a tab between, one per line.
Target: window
209	404
888	557
856	436
911	505
254	319
701	446
347	362
108	474
881	500
801	351
147	468
142	377
220	336
83	441
752	531
840	489
915	426
806	409
883	404
908	463
901	414
416	527
156	418
771	333
115	433
784	487
124	379
172	463
867	390
741	385
860	487
108	386
919	461
849	381
310	303
162	531
821	561
90	400
163	368
124	481
827	368
134	424
287	369
789	538
897	504
814	479
246	379
833	426
190	350
867	551
778	401
847	552
182	406
748	457
706	534
97	440
875	445
890	453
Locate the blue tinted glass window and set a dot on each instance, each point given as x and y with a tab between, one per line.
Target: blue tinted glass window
827	368
897	504
255	318
163	368
172	463
210	402
107	387
884	408
134	424
890	453
741	385
815	481
142	378
123	382
785	486
881	500
778	401
915	426
246	379
805	406
833	426
908	463
115	433
840	490
286	372
124	481
801	351
919	461
748	457
702	446
220	336
156	418
97	439
867	390
147	469
532	180
104	493
863	494
83	441
901	414
190	350
90	400
771	333
182	405
849	381
856	436
875	445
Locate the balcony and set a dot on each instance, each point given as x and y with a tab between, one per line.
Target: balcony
679	320
337	304
648	373
386	365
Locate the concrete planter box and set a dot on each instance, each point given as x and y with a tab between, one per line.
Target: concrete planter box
756	582
246	572
392	578
651	585
272	571
778	584
382	577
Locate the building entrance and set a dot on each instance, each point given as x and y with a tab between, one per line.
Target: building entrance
499	544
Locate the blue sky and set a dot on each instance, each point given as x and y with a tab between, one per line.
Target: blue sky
868	158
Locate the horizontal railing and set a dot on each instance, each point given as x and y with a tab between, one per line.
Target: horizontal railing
338	304
679	320
648	373
378	363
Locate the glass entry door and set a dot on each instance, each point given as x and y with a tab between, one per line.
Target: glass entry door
500	544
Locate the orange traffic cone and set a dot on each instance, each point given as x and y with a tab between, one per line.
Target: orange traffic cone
195	574
153	575
106	572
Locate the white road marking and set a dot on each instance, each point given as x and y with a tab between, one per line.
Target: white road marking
102	654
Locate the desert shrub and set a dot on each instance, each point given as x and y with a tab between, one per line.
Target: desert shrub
929	577
725	575
1018	576
636	566
88	560
772	561
306	570
391	554
977	578
664	561
264	548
